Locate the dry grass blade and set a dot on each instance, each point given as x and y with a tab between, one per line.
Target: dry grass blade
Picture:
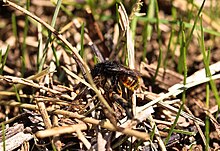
33	77
102	123
157	134
61	130
26	82
83	139
44	114
22	81
77	77
123	19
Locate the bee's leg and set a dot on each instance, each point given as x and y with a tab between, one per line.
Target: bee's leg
123	103
116	86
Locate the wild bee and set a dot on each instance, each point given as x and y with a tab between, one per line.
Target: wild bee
117	73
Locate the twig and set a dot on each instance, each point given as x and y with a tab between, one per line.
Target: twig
83	139
56	138
60	130
33	77
44	114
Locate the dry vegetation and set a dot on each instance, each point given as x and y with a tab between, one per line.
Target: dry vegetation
50	101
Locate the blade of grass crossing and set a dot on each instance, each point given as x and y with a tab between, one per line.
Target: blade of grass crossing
177	23
116	12
14	25
53	22
4	59
190	8
180	60
194	25
207	123
173	11
55	55
159	41
67	11
150	14
23	47
183	48
148	28
171	41
16	92
168	49
92	5
133	17
59	2
134	26
82	40
145	42
205	61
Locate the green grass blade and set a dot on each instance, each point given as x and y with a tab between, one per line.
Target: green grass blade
134	26
4	59
207	123
183	48
181	57
206	64
82	41
177	23
145	42
23	47
92	5
159	41
150	14
185	132
168	49
206	60
58	4
55	56
16	92
14	25
53	22
194	25
147	27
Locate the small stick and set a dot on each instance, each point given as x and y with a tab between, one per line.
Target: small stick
83	138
